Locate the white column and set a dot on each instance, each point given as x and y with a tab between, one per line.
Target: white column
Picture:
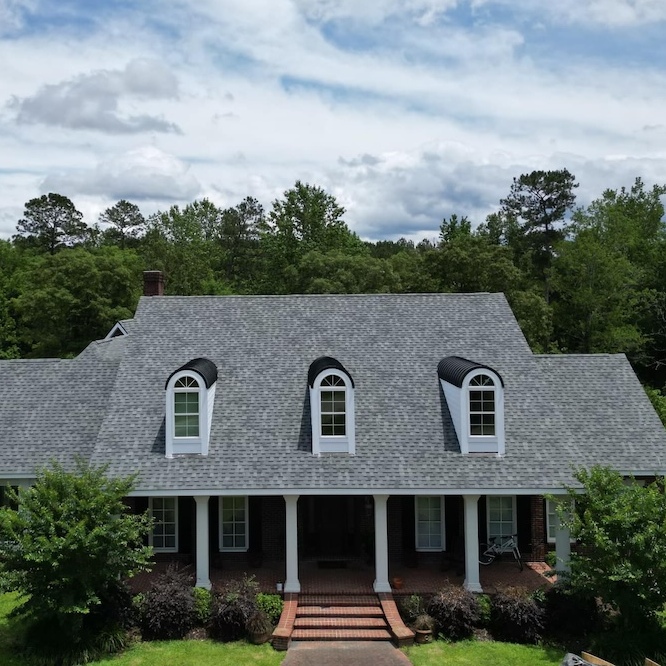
203	564
292	584
562	541
381	545
472	574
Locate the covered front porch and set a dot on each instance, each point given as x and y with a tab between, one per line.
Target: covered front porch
332	544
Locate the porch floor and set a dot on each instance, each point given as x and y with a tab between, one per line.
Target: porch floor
357	578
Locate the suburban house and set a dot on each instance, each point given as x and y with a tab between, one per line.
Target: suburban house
398	428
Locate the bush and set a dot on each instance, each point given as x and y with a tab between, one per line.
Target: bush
484	609
203	601
232	609
411	607
570	613
168	608
516	617
272	605
456	612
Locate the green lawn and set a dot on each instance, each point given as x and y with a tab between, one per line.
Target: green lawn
482	653
196	653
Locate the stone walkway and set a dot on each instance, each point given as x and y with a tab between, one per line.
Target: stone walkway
344	653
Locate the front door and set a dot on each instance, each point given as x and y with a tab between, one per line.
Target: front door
331	527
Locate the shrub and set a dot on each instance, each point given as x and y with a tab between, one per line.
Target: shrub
168	608
484	609
232	608
456	612
570	613
203	601
272	605
411	607
515	616
64	552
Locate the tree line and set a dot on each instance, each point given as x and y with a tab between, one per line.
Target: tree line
579	279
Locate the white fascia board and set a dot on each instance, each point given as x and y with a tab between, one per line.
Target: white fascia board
117	328
273	492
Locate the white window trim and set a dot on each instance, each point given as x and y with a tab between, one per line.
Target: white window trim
221	548
442	525
514	512
180	445
150	536
550	539
332	443
482	443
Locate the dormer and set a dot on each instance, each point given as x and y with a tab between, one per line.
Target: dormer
190	395
475	396
331	407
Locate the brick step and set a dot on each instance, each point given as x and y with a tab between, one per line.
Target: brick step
338	600
340	635
340	611
340	623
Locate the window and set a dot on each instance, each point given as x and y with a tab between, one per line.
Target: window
164	535
429	523
186	407
333	408
552	520
233	523
190	398
501	511
481	406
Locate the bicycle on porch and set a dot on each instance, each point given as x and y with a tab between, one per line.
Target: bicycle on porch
498	546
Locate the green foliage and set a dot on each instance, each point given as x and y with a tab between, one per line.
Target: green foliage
76	296
65	549
516	617
124	224
168	609
272	605
203	600
621	528
456	612
49	223
658	400
411	607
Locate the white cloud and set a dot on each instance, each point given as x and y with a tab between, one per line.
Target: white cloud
145	173
12	14
92	101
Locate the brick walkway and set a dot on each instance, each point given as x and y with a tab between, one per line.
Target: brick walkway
344	653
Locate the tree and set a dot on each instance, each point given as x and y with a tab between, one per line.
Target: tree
306	219
67	547
125	223
51	222
621	531
67	300
539	202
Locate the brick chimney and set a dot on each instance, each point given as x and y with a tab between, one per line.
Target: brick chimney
153	283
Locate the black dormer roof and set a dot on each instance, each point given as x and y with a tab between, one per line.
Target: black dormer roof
325	363
202	366
454	369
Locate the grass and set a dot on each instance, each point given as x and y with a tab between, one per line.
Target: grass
195	653
7	657
482	653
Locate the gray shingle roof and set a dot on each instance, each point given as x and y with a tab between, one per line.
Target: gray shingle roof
560	411
51	409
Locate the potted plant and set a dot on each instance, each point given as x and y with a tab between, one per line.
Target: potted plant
259	628
423	626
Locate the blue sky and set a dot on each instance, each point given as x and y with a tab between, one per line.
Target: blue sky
406	110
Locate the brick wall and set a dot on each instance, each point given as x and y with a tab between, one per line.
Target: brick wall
537	528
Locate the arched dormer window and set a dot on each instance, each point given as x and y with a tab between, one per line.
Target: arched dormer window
332	407
190	395
475	396
482	406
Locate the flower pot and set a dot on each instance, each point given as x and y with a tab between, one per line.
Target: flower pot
423	636
258	638
397	583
